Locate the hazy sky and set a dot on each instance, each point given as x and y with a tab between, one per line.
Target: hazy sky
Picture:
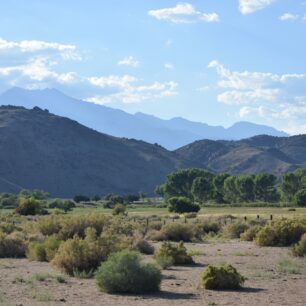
214	61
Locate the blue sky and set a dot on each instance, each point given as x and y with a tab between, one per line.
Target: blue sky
214	61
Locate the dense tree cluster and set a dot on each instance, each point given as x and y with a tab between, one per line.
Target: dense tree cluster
202	186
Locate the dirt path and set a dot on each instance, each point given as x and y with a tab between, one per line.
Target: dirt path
269	283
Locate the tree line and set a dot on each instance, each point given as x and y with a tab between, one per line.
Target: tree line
202	186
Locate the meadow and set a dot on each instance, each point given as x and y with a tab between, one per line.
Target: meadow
59	258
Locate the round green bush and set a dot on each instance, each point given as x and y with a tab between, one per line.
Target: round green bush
182	205
224	277
28	206
300	198
119	209
124	272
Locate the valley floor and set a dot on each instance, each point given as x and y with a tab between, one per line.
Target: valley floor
273	278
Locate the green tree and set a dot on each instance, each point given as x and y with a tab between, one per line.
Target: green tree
201	189
218	187
291	183
300	198
245	187
230	191
265	187
179	183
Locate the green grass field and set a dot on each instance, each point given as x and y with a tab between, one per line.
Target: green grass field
251	212
209	211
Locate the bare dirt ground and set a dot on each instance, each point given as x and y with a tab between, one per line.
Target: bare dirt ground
274	278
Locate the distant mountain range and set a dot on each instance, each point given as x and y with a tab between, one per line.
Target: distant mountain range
65	158
39	150
170	134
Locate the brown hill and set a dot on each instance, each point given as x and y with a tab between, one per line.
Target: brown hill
56	154
253	155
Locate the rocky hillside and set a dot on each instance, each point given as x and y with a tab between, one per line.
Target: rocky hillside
39	150
253	155
56	154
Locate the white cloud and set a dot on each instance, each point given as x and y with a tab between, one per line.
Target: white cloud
169	66
251	6
288	17
131	93
270	96
37	65
36	69
183	13
67	52
129	61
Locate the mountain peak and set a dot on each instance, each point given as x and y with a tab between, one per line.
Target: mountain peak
171	134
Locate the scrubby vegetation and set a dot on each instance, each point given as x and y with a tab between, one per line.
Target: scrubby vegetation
182	205
12	245
125	272
224	277
281	232
178	253
176	231
299	250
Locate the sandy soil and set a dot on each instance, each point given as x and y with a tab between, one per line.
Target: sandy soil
266	284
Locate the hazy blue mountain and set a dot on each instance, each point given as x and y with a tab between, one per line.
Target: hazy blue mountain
171	134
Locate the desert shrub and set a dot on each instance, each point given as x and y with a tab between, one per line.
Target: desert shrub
49	225
51	245
8	200
281	232
76	225
43	251
176	231
266	237
234	230
191	215
155	225
119	209
300	248
124	272
9	227
77	255
144	247
28	206
210	227
63	205
157	236
250	233
178	253
182	205
36	251
164	262
224	277
12	245
300	198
